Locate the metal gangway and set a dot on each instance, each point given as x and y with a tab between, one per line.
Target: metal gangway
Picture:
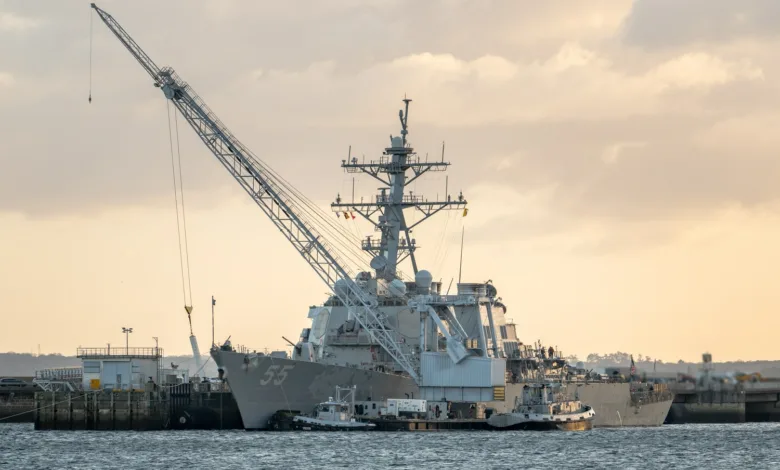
59	379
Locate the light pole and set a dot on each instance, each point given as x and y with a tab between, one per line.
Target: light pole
156	343
127	332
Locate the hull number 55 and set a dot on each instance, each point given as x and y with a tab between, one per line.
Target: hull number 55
275	374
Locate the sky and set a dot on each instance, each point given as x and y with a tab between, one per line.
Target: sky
618	157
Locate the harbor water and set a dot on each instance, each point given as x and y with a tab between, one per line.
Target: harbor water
684	446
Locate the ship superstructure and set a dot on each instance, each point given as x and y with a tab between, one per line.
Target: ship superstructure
423	318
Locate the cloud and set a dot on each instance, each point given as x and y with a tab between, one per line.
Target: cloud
670	23
528	96
502	163
6	79
385	29
17	23
515	212
573	83
701	70
615	151
750	134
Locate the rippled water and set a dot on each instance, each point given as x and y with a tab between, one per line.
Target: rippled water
751	446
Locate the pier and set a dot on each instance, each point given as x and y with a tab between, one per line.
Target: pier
17	401
181	407
715	402
129	389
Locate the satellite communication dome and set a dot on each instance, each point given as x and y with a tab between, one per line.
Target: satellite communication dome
423	279
397	288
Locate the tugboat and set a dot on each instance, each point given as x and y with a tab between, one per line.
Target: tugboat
334	415
542	407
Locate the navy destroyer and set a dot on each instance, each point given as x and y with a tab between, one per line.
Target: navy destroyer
388	334
335	349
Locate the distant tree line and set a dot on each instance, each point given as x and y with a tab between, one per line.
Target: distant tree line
768	368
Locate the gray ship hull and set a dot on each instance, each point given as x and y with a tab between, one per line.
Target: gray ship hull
268	384
611	402
614	407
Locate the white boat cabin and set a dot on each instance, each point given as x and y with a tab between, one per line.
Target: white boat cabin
333	410
545	398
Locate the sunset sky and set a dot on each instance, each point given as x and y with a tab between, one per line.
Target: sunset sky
621	160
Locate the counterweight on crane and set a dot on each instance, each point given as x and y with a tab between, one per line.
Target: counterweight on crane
278	200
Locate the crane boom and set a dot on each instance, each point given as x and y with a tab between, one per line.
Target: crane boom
274	196
146	62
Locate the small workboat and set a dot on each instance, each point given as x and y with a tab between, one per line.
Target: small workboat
542	407
333	415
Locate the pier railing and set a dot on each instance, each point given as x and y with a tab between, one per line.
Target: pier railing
60	373
95	353
767	386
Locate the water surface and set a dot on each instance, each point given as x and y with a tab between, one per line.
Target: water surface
753	446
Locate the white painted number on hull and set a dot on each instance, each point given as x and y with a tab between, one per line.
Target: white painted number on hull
275	374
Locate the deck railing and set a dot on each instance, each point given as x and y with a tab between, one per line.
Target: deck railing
93	353
60	373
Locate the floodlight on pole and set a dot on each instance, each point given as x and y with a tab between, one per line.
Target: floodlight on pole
127	332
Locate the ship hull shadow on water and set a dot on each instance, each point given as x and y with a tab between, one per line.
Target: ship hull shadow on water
304	426
586	425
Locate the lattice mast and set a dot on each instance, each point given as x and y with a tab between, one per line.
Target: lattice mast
386	212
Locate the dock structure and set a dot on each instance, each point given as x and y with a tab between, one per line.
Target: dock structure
185	406
725	402
717	397
17	401
96	410
129	389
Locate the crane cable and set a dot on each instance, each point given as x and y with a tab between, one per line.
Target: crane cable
185	282
183	213
90	54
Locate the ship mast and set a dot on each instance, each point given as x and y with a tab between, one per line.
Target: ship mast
386	213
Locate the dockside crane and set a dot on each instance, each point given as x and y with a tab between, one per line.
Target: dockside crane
281	203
